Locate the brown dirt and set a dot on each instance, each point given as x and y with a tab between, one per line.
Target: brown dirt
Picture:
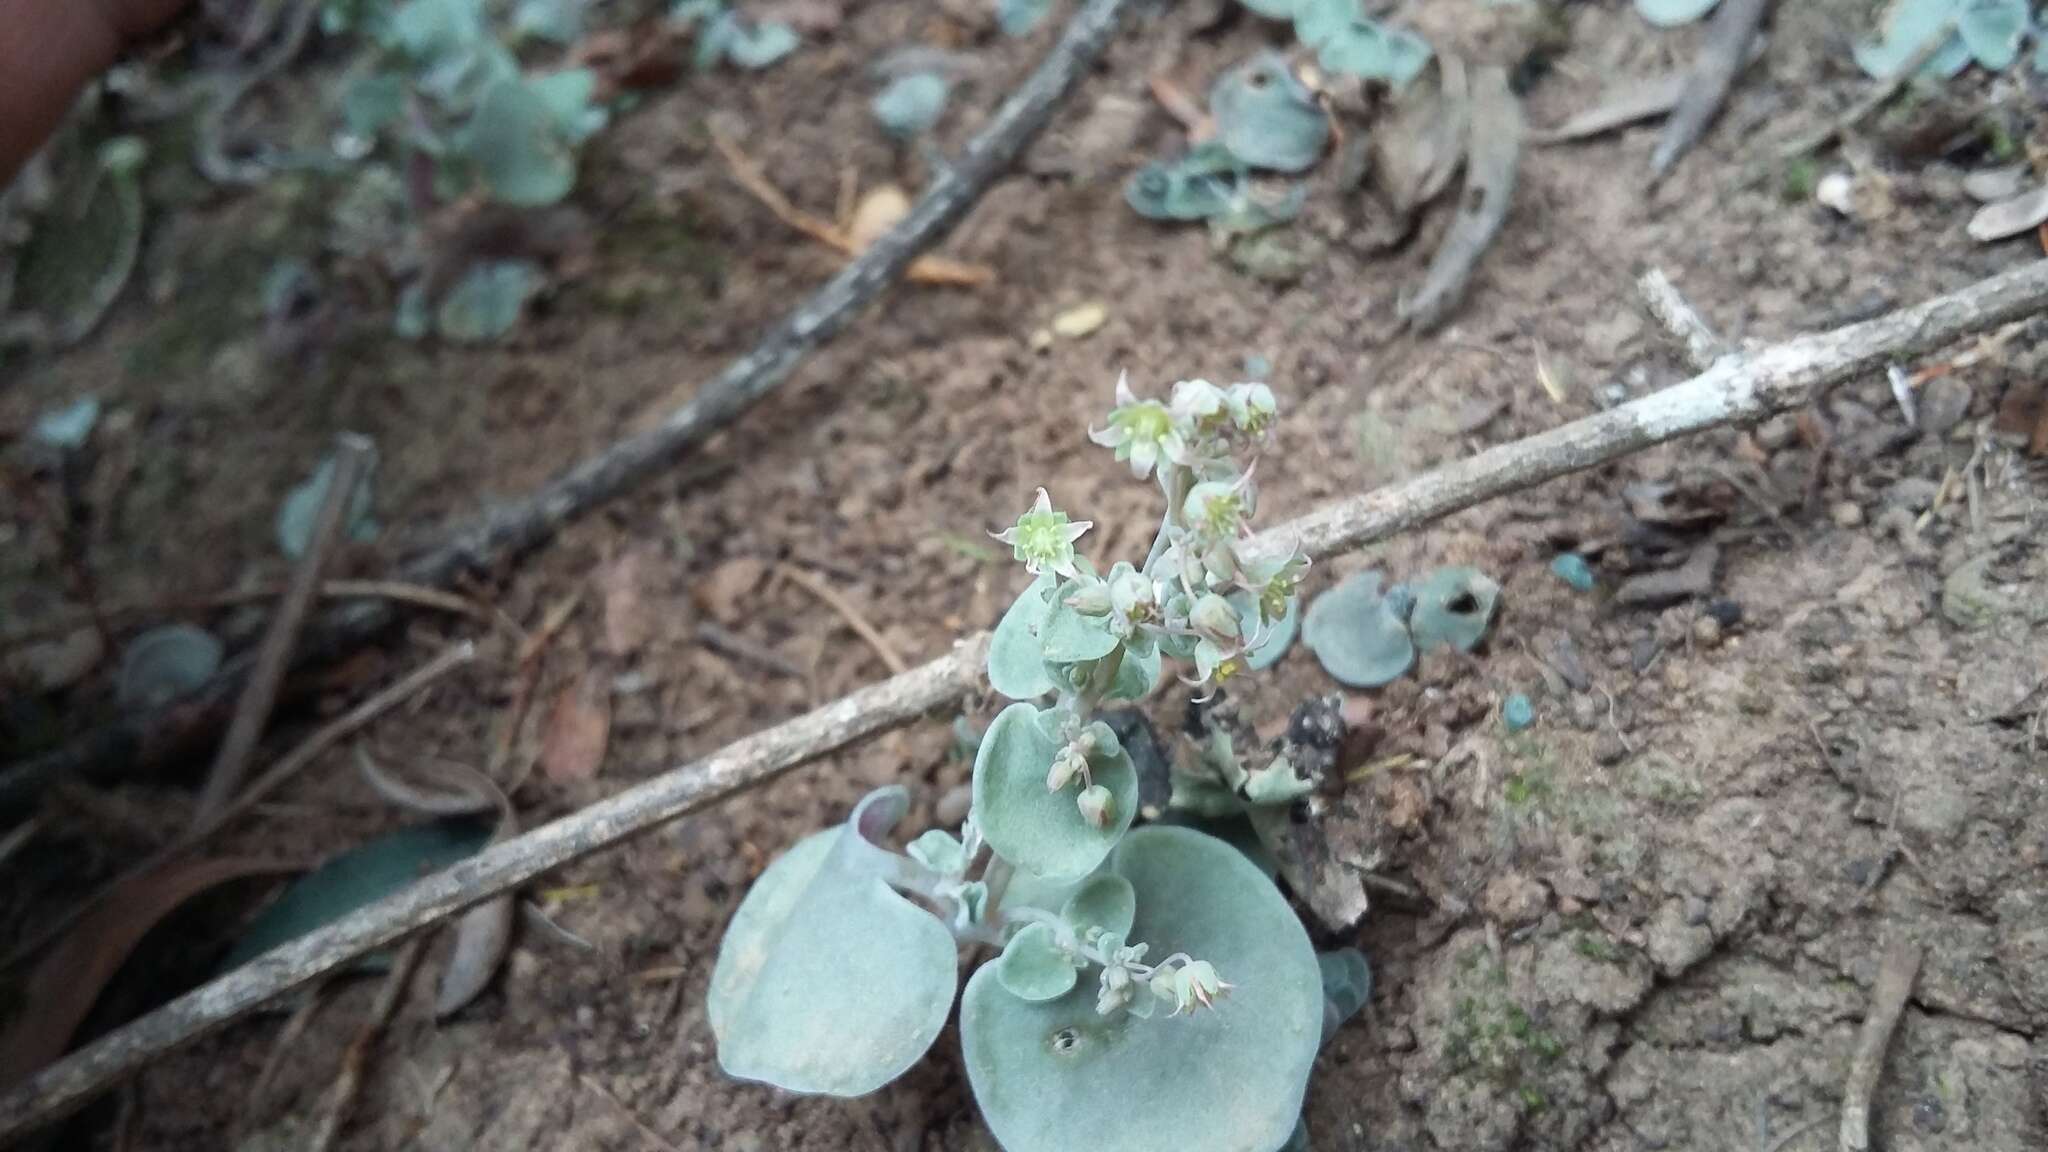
1652	920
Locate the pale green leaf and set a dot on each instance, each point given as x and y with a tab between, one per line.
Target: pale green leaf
1016	653
485	304
911	105
1674	13
166	664
517	144
1231	1077
1033	968
302	504
1358	636
1104	900
1992	30
1453	607
1266	117
1039	830
828	980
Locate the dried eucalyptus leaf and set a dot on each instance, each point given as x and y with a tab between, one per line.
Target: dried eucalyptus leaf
910	105
2021	214
486	303
1228	1078
829	981
1453	608
1039	830
1267	117
1032	967
1358	635
1016	653
1674	13
1104	900
166	664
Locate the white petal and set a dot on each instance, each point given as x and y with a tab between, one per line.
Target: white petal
1077	529
1124	395
1043	503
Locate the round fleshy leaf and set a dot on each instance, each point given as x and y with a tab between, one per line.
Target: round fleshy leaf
1204	183
1373	51
1104	900
1071	638
1016	653
1039	830
1231	1077
1992	30
1908	25
485	304
515	138
828	981
910	105
1266	117
939	851
1273	9
1033	968
166	664
1674	13
1357	634
1316	22
1347	986
1453	607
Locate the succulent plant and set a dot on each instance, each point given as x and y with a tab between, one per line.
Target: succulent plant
1150	987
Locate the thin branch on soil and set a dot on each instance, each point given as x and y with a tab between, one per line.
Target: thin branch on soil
1702	346
1877	97
1740	388
293	762
526	681
1729	35
506	530
632	1117
352	455
348	1081
18	837
1887	1000
848	612
726	642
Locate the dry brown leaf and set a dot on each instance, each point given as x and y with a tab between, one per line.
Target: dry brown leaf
2007	218
63	987
579	728
724	592
623	583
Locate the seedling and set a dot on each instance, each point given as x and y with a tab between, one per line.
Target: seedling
1152	986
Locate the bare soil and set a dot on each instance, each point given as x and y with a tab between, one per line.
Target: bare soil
1649	921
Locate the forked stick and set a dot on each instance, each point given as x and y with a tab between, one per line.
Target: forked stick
1738	388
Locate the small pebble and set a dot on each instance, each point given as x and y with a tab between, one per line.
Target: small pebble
1706	632
1608	749
1846	514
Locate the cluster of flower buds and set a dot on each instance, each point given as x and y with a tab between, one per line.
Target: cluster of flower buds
1123	974
1095	742
1198	429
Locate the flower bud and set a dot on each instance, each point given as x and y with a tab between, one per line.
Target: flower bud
1097	806
1066	765
1090	597
1213	617
1196	984
1098	742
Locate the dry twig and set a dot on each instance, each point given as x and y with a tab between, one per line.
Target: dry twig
348	1081
513	527
1887	999
1679	318
416	595
352	456
1729	35
838	602
1737	388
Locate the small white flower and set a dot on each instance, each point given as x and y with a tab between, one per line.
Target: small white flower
1196	401
1043	538
1251	407
1141	431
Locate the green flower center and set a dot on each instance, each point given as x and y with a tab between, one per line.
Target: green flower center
1144	422
1042	535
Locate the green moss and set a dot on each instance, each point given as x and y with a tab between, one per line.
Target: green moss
1596	946
1801	177
1532	1099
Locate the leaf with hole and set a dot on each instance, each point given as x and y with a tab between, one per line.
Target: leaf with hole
828	980
1205	183
1231	1077
1358	634
1039	830
1016	652
1266	117
1453	608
